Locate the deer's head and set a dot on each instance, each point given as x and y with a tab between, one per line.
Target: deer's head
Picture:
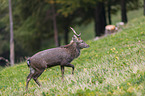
77	39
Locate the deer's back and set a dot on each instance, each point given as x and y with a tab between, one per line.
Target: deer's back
51	57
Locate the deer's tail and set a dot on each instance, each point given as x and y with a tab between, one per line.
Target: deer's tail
28	62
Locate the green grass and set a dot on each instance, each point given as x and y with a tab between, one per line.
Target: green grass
114	65
1	68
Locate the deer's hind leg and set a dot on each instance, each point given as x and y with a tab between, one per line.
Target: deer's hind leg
32	71
36	75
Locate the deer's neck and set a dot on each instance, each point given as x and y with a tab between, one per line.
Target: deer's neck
73	49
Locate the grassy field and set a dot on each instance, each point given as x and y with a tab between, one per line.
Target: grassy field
114	65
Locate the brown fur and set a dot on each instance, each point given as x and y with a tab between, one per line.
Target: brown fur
52	57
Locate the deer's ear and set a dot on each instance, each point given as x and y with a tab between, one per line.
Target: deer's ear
74	38
79	38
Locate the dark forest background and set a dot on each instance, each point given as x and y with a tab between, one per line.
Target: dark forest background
42	24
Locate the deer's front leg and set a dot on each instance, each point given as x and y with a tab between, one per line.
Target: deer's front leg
62	71
70	65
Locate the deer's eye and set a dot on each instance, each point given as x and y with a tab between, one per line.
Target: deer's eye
82	41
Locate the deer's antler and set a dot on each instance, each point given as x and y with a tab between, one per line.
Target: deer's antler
75	32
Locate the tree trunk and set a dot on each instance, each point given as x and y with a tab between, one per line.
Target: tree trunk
66	26
144	7
11	36
55	26
66	35
123	11
109	12
100	19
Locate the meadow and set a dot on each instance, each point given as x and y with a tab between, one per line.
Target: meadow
112	66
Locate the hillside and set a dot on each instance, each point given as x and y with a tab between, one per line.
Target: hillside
114	65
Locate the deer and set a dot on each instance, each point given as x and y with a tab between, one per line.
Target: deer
110	29
120	25
62	56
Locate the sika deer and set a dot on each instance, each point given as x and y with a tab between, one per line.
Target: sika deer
56	56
